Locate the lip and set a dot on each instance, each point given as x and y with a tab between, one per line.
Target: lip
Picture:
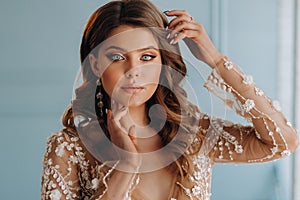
132	89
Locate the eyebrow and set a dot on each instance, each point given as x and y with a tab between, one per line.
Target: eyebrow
124	50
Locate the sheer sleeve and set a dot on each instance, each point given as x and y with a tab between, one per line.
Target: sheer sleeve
59	178
71	173
270	135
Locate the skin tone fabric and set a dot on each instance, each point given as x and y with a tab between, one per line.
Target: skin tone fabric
71	171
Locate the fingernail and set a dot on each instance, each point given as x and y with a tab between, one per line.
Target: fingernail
123	108
106	110
171	42
168	36
166	11
167	27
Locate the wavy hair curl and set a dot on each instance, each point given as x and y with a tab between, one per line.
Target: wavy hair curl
173	98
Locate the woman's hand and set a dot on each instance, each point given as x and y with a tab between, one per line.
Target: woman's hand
125	141
184	27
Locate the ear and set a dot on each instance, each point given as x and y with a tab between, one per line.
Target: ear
93	64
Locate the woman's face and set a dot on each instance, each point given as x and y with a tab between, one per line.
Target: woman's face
129	63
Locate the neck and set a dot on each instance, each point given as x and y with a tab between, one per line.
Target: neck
138	115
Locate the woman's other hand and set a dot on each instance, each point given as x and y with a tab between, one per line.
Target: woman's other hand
126	142
184	27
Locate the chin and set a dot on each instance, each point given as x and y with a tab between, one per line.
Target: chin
136	102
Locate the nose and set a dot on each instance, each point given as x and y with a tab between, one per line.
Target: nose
134	70
132	73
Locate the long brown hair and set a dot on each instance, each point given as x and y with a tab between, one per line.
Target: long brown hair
173	98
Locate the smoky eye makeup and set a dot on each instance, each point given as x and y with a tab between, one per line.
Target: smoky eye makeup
115	53
115	56
147	57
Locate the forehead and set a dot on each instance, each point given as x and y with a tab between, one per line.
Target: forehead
130	38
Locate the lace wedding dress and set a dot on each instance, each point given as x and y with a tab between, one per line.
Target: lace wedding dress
71	172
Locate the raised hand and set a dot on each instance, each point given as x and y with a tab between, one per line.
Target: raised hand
125	141
184	27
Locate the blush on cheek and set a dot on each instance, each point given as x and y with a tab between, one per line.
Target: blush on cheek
109	81
107	87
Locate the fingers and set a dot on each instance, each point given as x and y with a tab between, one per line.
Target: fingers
118	110
112	126
184	18
181	16
125	144
181	26
176	12
179	37
132	134
183	30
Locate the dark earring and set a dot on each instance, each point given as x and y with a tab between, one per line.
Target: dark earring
99	97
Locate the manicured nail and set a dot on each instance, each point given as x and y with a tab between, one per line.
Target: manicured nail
123	108
106	110
166	11
167	27
172	41
168	36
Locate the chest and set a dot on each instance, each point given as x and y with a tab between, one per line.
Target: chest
155	185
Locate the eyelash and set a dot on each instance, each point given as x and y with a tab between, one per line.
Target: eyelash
113	58
151	57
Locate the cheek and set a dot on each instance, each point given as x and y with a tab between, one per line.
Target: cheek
158	72
109	80
154	80
152	74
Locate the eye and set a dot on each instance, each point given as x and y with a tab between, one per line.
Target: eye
115	57
147	57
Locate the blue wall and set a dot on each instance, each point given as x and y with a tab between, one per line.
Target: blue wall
39	47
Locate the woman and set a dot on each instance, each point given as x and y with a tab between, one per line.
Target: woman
131	132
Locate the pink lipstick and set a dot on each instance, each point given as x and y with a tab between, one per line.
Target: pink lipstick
131	89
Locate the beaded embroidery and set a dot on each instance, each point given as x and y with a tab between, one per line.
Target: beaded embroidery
249	109
70	173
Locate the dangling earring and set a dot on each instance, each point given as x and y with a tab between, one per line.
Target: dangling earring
99	96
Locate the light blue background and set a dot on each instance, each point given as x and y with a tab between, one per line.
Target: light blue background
39	47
